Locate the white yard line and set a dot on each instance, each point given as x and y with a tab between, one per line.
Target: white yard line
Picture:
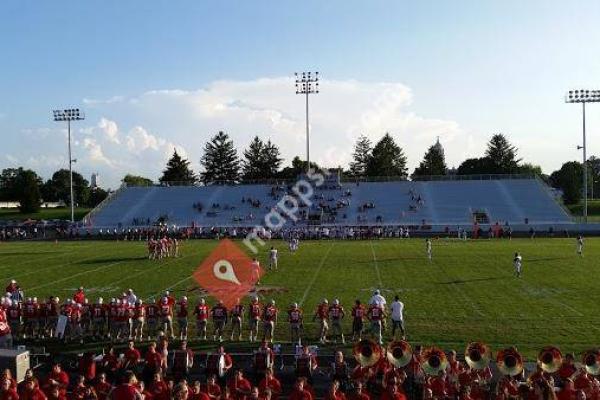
75	275
376	265
314	278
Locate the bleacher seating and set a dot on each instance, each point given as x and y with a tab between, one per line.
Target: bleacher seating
434	203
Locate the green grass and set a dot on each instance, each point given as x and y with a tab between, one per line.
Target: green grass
13	214
467	293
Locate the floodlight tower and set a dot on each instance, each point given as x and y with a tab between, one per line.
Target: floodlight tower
583	96
307	83
70	114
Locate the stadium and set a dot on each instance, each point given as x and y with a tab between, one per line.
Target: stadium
394	259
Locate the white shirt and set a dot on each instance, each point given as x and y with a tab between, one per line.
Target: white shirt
397	309
131	298
378	299
273	254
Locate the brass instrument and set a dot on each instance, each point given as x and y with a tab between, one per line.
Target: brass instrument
478	355
367	353
399	353
550	359
433	360
509	361
591	361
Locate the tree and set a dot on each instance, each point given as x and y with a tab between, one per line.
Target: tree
361	156
136	180
8	183
387	159
28	191
178	171
97	194
475	166
57	188
297	168
531	169
502	155
434	162
220	160
569	179
261	160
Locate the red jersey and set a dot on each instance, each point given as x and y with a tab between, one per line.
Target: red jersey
166	310
182	309
254	311
201	312
322	312
336	312
295	315
125	392
273	384
152	311
237	311
98	311
375	313
358	312
79	297
219	313
14	313
30	310
4	327
238	388
102	390
270	314
139	311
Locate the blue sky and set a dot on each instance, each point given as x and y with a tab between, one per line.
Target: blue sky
157	75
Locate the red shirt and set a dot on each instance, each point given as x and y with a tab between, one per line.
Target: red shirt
239	387
201	312
62	378
360	396
295	315
125	392
322	311
35	394
159	390
300	395
254	310
152	311
336	312
358	312
375	313
389	396
10	394
272	384
270	313
237	310
182	309
132	356
213	390
153	360
79	297
198	396
335	396
102	390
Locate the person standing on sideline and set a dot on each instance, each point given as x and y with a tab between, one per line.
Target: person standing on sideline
518	264
273	259
428	248
580	245
397	313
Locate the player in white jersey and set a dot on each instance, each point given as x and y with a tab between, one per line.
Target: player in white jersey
428	248
580	245
518	264
273	259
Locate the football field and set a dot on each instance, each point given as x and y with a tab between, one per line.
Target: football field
467	293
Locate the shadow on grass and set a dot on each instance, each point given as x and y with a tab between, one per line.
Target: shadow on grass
112	260
29	253
463	281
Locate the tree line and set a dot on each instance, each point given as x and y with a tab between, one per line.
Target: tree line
262	161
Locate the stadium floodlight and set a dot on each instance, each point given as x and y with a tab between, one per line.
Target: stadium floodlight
307	83
583	96
68	115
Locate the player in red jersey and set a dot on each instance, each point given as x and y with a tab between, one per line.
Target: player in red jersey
152	315
358	317
30	318
166	316
322	314
254	315
201	313
52	313
13	313
98	311
237	313
337	314
181	309
75	331
270	319
296	320
138	319
5	334
219	317
376	315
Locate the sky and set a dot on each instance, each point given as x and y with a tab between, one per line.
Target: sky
154	76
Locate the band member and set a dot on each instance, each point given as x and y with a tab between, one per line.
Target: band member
376	315
219	317
269	321
322	314
300	392
340	371
201	313
218	364
337	314
359	393
263	360
306	364
254	315
13	314
183	361
239	386
152	315
166	316
237	313
518	264
182	317
139	316
295	318
212	388
270	382
358	317
132	357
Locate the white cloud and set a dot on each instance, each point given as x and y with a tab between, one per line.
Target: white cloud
110	129
95	153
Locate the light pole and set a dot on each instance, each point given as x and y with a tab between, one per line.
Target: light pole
307	83
70	114
583	96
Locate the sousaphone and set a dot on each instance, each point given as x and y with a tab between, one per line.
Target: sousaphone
550	359
591	361
509	361
399	353
433	360
478	355
367	353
